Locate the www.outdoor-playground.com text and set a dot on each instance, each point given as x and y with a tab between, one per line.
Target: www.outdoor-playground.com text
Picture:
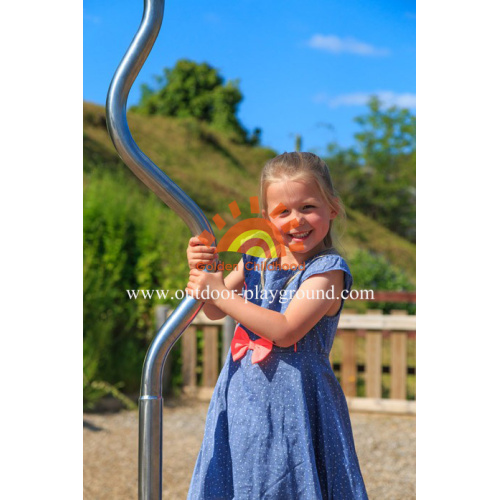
249	294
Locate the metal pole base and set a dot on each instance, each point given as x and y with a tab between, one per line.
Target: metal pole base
150	447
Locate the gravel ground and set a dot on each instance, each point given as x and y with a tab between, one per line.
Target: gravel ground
385	446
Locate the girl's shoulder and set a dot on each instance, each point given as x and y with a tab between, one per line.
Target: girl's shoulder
328	260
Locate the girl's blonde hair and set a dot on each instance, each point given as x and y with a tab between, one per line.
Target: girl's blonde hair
309	168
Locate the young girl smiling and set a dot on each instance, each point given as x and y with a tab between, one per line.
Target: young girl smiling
278	426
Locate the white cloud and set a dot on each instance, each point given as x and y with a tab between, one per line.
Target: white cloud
387	97
349	45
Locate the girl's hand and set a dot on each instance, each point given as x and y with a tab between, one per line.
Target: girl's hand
202	284
199	254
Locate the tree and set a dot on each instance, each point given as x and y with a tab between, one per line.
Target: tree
195	90
377	175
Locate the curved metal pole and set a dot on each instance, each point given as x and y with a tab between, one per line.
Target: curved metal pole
150	402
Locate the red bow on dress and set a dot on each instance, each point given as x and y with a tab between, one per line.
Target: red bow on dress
241	343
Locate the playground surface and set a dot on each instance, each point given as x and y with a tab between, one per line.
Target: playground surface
385	445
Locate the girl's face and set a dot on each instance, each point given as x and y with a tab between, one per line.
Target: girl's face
299	212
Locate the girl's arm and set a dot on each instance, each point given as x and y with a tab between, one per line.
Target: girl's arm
199	254
305	309
233	281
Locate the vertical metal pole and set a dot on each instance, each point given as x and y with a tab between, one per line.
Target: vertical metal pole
227	335
151	403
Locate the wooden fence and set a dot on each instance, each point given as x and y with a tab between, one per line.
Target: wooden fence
356	332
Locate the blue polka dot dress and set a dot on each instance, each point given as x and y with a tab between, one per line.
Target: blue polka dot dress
280	429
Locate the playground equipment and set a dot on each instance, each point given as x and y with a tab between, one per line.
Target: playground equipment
151	402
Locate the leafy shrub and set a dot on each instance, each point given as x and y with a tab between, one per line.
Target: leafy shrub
195	90
374	272
131	241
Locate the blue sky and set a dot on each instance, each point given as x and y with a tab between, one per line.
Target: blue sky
304	68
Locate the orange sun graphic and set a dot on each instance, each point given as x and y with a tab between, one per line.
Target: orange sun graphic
255	236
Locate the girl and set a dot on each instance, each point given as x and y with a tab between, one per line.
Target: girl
278	427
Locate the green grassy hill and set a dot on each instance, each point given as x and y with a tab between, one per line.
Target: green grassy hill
214	172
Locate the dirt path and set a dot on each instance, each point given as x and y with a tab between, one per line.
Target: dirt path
385	446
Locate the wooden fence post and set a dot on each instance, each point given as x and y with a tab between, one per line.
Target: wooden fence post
398	361
373	361
210	355
188	340
348	369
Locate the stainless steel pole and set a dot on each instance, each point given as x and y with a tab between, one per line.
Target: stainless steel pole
151	403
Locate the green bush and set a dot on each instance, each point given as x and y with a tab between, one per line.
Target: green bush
196	90
131	241
373	272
